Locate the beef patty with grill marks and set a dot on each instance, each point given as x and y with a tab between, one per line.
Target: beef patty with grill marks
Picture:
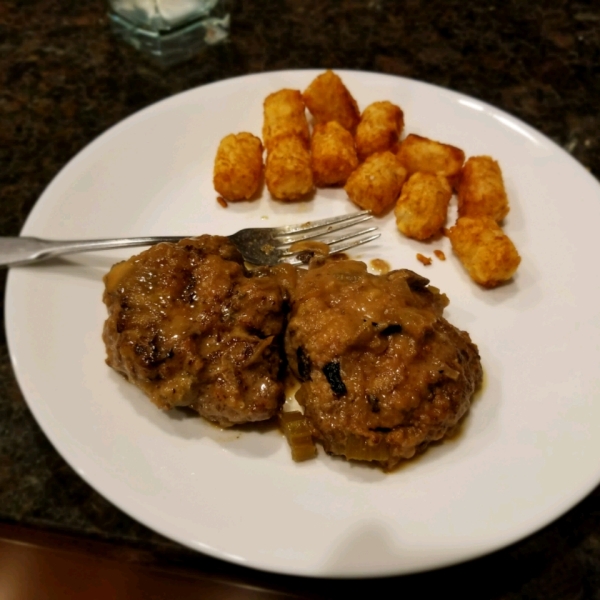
191	326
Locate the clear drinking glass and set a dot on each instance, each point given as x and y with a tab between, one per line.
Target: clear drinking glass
170	31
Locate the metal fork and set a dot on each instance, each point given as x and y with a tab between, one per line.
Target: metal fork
259	246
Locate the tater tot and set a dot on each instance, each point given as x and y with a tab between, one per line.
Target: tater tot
417	153
288	173
486	252
481	190
333	156
423	204
376	184
284	114
379	129
327	99
238	166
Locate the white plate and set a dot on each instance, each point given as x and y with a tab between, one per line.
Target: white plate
529	449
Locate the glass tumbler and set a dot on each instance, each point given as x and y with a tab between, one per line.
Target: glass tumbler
170	31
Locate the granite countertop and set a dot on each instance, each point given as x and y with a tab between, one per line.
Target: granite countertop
64	80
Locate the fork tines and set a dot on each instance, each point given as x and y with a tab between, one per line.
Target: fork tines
323	229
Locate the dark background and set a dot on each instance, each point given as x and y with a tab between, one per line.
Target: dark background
64	79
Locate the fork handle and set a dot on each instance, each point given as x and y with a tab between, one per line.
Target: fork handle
25	250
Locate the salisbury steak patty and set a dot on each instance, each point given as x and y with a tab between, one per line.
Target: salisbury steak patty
190	326
383	373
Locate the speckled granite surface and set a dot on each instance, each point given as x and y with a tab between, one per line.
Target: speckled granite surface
64	80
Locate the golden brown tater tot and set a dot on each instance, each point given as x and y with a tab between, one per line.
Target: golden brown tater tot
333	156
376	184
284	114
486	252
238	166
380	126
481	190
417	153
288	173
423	204
328	99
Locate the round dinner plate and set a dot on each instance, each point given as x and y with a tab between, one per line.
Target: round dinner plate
528	450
